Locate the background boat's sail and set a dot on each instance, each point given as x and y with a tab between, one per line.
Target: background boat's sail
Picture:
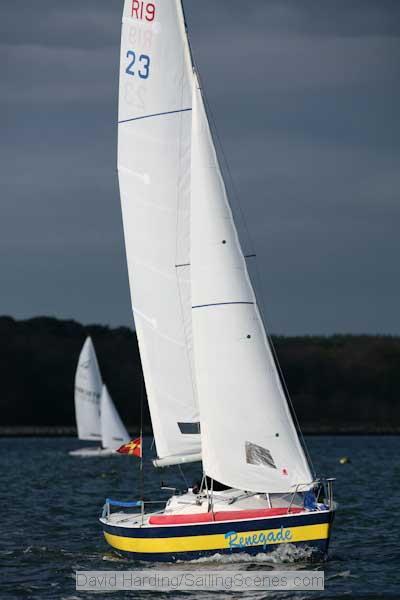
248	437
113	431
154	175
87	394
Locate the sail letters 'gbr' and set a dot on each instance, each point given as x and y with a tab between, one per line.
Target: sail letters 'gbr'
143	10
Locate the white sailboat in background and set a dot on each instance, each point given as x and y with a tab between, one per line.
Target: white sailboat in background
213	386
97	418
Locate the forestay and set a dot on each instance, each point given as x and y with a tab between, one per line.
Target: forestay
248	437
87	394
113	432
154	177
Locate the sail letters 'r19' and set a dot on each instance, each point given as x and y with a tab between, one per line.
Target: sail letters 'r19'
143	10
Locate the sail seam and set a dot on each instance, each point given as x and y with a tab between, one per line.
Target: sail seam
169	112
219	304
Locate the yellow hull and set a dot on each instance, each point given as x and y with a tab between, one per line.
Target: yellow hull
251	536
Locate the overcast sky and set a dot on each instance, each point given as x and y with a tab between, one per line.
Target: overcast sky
306	96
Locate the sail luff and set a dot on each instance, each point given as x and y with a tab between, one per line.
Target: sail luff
248	437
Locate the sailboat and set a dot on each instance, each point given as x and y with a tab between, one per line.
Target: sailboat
213	384
97	418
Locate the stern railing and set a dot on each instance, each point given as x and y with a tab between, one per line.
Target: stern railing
134	504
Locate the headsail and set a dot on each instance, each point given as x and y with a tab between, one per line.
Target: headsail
154	141
248	437
113	431
87	394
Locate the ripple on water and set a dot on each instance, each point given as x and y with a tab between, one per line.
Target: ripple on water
53	530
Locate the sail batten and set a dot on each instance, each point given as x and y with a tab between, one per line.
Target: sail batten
222	303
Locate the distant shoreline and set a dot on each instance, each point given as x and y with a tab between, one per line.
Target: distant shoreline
310	430
339	384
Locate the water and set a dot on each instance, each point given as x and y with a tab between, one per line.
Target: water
51	502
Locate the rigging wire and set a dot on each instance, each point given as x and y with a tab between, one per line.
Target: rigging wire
183	476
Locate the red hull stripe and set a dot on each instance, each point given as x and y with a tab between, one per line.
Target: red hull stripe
226	515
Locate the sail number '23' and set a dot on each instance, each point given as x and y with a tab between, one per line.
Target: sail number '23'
143	65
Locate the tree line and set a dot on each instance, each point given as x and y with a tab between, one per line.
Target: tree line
335	382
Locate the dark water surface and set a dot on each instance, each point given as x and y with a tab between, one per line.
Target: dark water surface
51	502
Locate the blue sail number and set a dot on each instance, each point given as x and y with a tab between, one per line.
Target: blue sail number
130	54
144	60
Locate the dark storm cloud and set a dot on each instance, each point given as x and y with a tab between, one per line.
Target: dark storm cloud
308	112
343	18
305	94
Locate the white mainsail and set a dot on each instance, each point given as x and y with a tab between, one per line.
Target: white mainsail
154	142
248	437
113	431
88	385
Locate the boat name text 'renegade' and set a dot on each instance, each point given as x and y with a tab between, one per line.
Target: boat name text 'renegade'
261	538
